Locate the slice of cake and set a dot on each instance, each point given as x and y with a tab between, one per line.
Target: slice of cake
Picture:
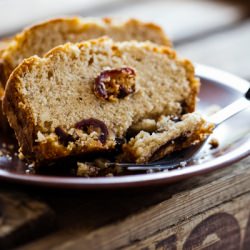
84	97
39	39
162	137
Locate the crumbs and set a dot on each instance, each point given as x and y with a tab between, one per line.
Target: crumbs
214	143
7	151
99	167
87	170
30	168
7	146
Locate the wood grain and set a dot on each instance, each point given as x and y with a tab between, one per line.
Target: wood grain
22	219
222	227
131	218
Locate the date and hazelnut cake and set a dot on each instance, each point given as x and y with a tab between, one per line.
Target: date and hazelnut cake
40	38
85	97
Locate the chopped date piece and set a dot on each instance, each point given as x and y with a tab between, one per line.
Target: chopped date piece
91	124
114	84
214	143
64	137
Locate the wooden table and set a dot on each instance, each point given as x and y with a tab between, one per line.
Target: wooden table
205	212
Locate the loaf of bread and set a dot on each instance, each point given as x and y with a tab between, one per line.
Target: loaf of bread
82	98
39	39
165	136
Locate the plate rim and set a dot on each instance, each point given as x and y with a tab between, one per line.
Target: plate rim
206	72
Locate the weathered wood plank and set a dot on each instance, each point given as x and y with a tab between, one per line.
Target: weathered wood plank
184	19
228	50
223	227
22	219
116	220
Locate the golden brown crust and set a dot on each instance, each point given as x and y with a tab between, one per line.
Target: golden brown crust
194	85
19	113
3	121
4	43
4	67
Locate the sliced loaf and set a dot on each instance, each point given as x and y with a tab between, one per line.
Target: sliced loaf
84	97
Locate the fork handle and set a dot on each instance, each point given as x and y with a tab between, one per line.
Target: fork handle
231	110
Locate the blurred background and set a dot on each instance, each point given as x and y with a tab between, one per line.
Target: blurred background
215	33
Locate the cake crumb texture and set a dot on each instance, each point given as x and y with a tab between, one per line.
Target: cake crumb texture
169	136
